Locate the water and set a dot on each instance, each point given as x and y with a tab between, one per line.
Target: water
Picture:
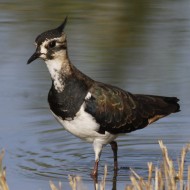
140	46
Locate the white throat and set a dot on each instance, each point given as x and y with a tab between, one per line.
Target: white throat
57	69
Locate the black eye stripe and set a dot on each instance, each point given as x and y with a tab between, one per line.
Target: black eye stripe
63	46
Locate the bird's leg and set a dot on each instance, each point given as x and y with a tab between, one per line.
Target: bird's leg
114	148
94	173
114	180
97	149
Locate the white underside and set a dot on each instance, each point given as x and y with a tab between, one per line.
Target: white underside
85	127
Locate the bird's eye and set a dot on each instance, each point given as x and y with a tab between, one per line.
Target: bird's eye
52	44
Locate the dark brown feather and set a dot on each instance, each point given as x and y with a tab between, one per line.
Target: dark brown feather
118	111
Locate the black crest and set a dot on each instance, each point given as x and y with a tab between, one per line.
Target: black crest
50	34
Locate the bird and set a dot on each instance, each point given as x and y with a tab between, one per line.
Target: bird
90	110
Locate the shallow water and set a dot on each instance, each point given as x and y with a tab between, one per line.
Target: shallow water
142	47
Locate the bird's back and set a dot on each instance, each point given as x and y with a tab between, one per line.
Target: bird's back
119	111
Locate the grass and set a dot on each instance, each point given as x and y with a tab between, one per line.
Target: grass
163	177
3	182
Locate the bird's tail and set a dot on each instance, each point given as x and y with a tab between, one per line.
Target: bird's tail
167	104
173	104
157	107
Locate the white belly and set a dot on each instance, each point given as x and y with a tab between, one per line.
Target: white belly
85	127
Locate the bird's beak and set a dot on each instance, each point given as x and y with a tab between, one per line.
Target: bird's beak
34	56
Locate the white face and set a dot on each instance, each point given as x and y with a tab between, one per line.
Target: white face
54	53
52	49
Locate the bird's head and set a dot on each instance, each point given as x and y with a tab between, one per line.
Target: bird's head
51	44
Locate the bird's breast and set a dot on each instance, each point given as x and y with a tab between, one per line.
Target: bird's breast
85	127
67	103
82	125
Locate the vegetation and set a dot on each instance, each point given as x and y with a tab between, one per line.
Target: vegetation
3	183
159	178
165	177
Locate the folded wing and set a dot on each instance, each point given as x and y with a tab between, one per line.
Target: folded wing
118	111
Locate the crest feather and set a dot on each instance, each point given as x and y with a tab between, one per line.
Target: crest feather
50	34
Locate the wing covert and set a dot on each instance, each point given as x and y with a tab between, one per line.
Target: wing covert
114	109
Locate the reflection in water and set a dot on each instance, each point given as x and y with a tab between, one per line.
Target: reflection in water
140	46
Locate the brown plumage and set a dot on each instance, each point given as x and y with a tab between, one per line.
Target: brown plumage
119	111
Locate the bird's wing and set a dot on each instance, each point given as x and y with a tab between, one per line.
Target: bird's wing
118	111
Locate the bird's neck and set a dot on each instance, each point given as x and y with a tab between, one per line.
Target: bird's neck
59	70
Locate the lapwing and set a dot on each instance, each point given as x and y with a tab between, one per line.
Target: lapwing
93	111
